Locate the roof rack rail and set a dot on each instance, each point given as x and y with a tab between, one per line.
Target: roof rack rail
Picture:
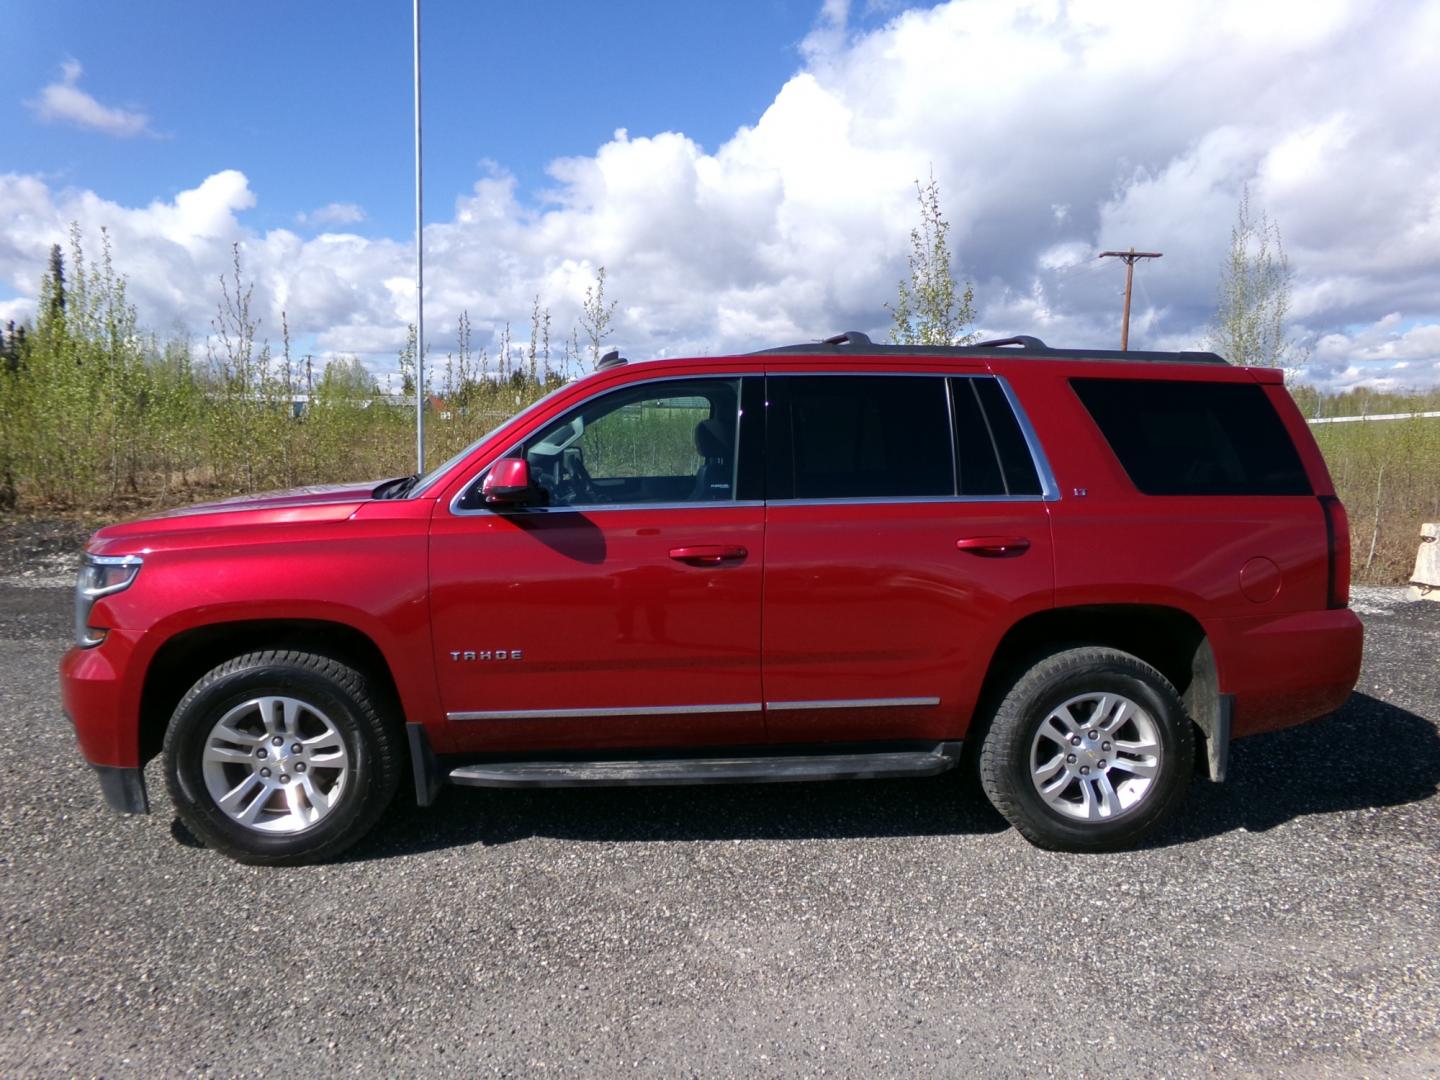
1021	345
1025	341
849	337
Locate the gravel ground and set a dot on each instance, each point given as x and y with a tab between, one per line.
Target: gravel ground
1288	924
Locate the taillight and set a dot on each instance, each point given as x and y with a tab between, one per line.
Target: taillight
1337	539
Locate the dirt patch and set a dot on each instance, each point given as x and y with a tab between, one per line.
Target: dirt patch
41	552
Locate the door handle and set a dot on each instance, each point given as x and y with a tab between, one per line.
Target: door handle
994	547
708	554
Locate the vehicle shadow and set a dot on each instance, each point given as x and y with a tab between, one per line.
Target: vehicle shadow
800	811
1369	754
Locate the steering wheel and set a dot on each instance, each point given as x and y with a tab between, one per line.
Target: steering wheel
575	486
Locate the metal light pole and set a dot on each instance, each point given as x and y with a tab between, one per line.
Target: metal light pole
419	268
1129	257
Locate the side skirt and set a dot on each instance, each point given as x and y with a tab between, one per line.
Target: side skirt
768	768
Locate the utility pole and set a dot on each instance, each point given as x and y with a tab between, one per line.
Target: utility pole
1129	257
419	269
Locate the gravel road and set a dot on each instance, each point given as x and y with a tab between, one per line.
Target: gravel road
1289	924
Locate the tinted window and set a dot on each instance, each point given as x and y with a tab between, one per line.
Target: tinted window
859	437
1188	438
991	456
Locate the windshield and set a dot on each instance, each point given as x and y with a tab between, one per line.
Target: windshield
440	470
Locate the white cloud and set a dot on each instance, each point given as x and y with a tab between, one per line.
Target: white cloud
335	213
1383	355
64	102
1055	131
16	310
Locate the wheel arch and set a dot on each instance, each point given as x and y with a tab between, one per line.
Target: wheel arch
1169	639
180	662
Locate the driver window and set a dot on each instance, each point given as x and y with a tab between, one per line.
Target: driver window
664	442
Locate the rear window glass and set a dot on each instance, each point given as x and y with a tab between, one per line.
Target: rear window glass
1189	438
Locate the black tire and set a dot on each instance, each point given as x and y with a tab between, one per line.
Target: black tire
1082	679
334	699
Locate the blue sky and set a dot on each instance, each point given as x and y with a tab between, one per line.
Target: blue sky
745	172
313	101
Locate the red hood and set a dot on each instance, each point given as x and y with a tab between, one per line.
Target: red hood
331	502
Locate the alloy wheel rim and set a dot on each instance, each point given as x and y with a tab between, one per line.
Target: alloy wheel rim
275	765
1095	757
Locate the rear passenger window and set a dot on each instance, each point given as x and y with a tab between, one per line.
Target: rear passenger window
1189	438
871	436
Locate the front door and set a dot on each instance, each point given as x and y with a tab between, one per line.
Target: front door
626	611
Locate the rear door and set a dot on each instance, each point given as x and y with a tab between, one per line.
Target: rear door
906	528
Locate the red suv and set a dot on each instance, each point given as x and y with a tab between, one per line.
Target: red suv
837	560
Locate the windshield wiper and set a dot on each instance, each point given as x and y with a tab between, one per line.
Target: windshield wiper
397	488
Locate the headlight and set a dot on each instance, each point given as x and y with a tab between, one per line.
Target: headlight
100	575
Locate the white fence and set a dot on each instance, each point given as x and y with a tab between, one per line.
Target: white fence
1376	416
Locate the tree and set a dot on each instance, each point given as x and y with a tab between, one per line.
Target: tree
56	298
537	352
12	346
347	378
596	316
406	361
232	346
930	309
1254	295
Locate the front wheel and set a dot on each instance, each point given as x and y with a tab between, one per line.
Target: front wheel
280	758
1090	749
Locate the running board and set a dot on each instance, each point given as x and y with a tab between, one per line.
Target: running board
765	769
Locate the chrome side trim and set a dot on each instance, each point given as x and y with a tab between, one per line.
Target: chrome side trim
1050	489
596	508
968	370
852	703
637	710
457	511
677	710
896	500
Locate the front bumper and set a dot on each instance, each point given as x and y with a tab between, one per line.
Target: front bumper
100	690
102	702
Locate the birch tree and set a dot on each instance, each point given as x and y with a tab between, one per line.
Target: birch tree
931	308
1254	295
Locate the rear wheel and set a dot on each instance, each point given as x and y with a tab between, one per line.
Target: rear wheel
1089	750
280	758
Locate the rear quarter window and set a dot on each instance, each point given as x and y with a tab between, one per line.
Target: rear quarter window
1195	438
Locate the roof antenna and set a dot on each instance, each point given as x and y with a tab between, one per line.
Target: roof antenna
609	360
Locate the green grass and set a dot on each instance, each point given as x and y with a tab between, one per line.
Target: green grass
1387	473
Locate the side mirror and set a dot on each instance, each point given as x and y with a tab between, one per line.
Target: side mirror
508	483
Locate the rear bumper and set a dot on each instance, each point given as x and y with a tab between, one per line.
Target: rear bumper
1287	669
